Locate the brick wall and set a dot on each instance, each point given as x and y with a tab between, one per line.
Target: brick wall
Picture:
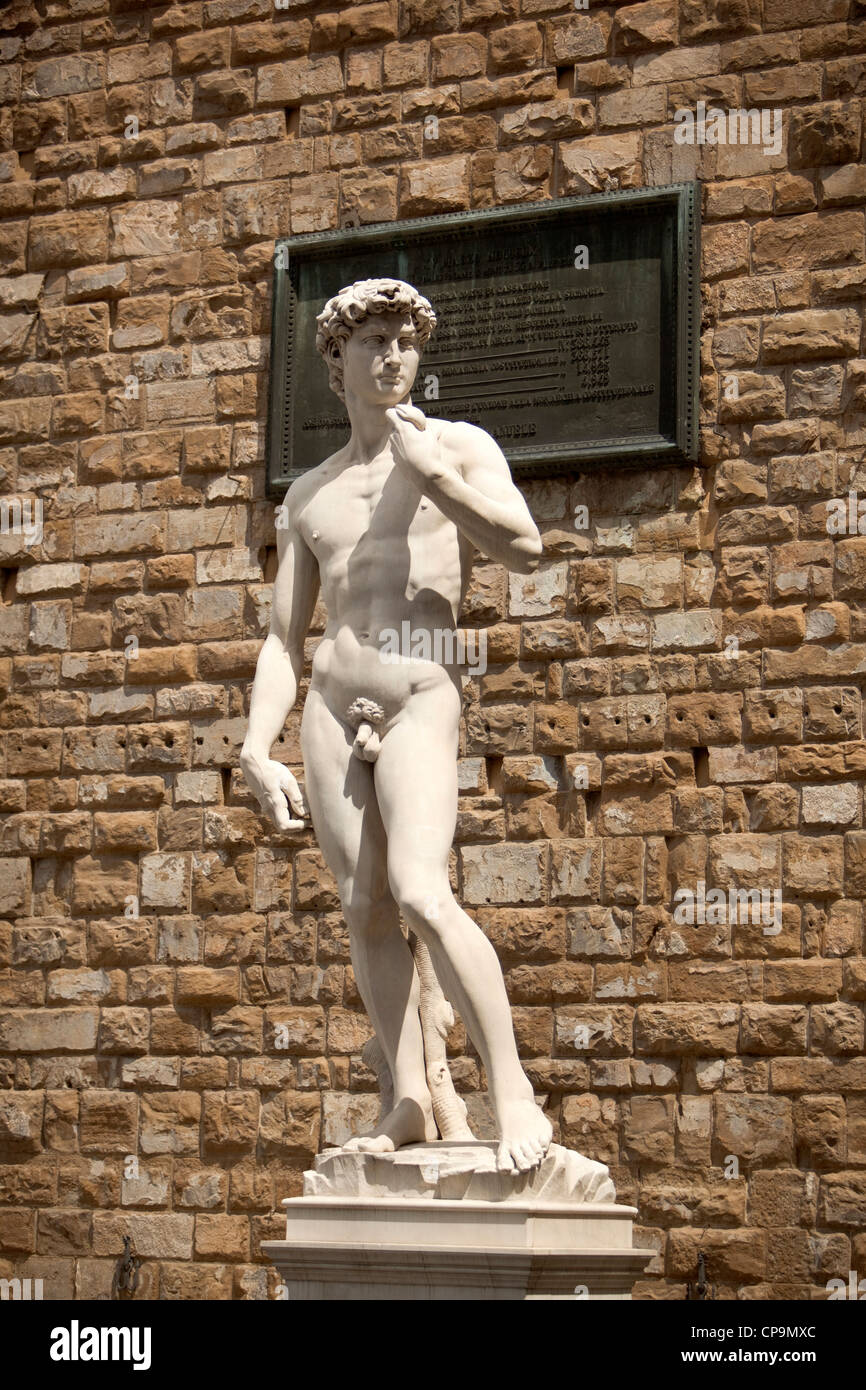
154	930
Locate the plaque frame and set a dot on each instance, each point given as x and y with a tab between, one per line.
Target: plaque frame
679	445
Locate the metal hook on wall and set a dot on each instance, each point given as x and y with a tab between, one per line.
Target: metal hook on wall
126	1274
701	1290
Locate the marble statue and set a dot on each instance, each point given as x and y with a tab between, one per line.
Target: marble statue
387	526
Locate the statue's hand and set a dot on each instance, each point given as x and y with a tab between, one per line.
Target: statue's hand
276	790
416	446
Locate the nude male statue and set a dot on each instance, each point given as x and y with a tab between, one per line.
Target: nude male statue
387	525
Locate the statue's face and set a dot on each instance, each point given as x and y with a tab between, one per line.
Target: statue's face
381	358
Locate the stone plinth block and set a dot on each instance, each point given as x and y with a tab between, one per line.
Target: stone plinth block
437	1221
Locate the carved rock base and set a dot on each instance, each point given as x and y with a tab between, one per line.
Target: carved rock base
436	1221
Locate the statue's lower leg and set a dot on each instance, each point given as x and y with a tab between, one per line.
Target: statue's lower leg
388	983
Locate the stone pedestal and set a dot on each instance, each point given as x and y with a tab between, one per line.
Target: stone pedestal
436	1221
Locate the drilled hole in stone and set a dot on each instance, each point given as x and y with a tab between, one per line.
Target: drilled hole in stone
565	79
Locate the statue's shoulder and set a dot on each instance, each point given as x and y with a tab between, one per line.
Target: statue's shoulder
453	428
459	431
463	440
304	488
297	495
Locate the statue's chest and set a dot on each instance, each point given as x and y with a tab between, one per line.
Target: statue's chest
372	511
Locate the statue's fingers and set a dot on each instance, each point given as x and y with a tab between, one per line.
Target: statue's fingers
397	433
278	810
402	415
290	788
414	416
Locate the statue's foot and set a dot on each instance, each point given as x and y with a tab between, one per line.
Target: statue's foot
525	1135
410	1122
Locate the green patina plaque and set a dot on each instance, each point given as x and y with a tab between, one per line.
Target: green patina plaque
569	330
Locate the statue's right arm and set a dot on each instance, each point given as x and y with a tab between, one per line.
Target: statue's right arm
278	673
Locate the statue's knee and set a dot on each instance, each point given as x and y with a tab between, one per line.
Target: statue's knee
424	907
368	911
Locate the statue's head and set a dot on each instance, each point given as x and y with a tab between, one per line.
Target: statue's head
371	336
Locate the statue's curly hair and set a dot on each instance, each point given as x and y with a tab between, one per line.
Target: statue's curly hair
352	305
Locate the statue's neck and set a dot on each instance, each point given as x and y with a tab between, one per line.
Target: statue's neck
371	428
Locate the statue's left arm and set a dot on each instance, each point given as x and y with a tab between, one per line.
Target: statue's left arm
466	475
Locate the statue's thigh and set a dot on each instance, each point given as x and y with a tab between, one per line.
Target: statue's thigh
342	801
416	785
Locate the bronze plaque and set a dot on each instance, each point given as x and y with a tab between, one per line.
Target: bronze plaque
568	330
